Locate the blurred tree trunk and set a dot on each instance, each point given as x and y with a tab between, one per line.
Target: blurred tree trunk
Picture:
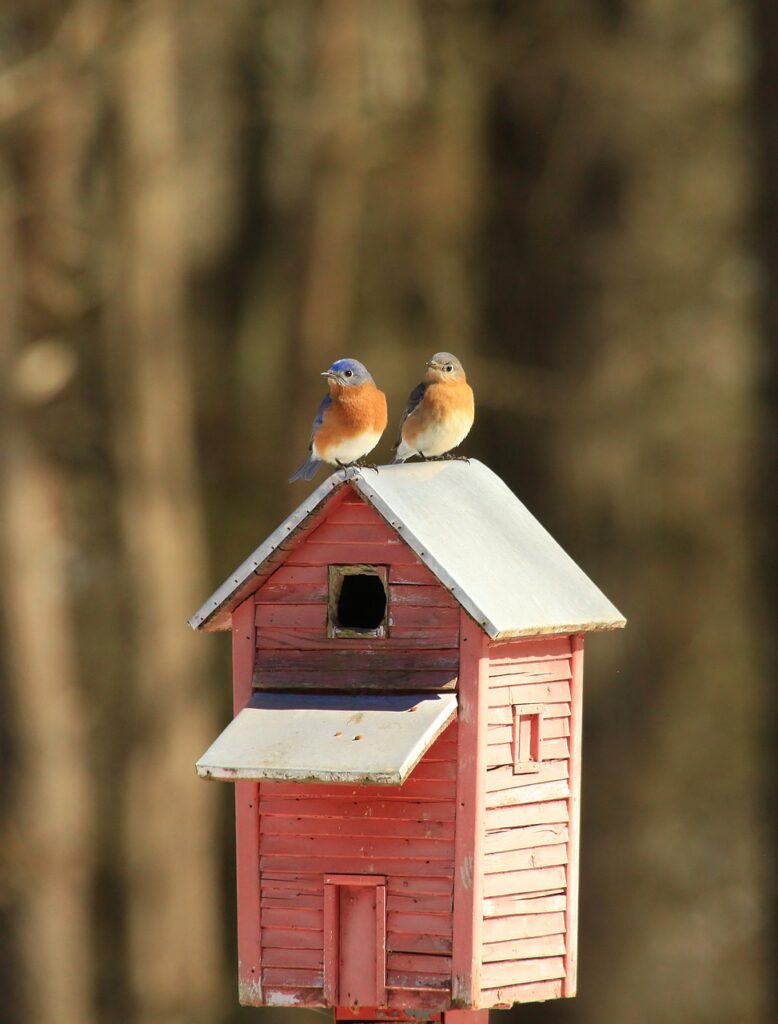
765	41
620	239
51	855
175	941
114	869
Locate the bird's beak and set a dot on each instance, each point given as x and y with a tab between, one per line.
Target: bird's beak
432	364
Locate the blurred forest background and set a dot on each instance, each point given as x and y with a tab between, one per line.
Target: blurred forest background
201	206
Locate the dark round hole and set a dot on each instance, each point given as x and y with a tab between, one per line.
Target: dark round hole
362	602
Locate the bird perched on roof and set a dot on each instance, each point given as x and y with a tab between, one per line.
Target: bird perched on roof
439	413
349	421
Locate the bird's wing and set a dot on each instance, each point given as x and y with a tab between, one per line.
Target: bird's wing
326	402
414	399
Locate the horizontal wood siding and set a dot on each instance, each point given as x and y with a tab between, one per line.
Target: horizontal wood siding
421	650
405	834
526	846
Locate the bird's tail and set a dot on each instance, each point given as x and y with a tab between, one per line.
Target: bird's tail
305	472
401	452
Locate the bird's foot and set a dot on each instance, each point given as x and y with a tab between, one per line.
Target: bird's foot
359	464
451	457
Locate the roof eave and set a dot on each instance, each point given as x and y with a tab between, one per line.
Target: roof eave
605	626
361	484
214	614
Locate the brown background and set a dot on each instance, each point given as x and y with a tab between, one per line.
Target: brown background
201	206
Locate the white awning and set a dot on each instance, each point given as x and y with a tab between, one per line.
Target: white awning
364	739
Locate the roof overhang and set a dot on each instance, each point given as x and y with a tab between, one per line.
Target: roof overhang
472	533
216	612
362	739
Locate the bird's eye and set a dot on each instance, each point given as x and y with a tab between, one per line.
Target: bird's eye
348	373
449	368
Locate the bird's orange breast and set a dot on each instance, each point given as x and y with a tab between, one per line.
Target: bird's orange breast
354	411
442	401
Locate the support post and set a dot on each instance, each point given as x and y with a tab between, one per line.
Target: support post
574	813
470	814
246	818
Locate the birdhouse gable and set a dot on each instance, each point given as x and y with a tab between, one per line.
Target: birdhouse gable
457	520
353	606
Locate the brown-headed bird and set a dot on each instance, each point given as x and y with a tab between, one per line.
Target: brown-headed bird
439	413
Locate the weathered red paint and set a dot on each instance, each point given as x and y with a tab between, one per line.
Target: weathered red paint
574	804
315	838
526	887
453	893
246	819
470	815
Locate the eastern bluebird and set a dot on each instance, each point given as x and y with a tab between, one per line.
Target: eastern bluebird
439	413
349	421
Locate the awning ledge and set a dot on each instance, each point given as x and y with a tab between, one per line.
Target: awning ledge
360	739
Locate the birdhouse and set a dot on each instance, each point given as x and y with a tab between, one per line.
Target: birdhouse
406	748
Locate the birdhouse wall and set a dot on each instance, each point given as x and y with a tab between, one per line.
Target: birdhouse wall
405	834
294	650
530	849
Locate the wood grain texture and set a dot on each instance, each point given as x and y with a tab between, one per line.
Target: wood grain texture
470	818
246	813
509	906
526	845
513	817
329	662
362	826
417	811
532	649
502	778
404	835
530	993
524	949
523	926
502	714
406	999
525	838
507	673
574	804
523	971
418	942
541	792
511	883
363	681
403	638
421	648
411	789
516	860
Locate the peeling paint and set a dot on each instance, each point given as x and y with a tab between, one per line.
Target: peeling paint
282	999
458	1003
466	872
250	993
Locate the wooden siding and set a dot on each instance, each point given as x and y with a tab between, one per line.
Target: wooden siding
527	839
471	815
293	648
404	834
246	823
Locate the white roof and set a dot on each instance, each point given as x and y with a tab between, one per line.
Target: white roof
470	530
373	739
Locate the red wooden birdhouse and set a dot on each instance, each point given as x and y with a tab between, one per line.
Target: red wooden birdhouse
406	748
